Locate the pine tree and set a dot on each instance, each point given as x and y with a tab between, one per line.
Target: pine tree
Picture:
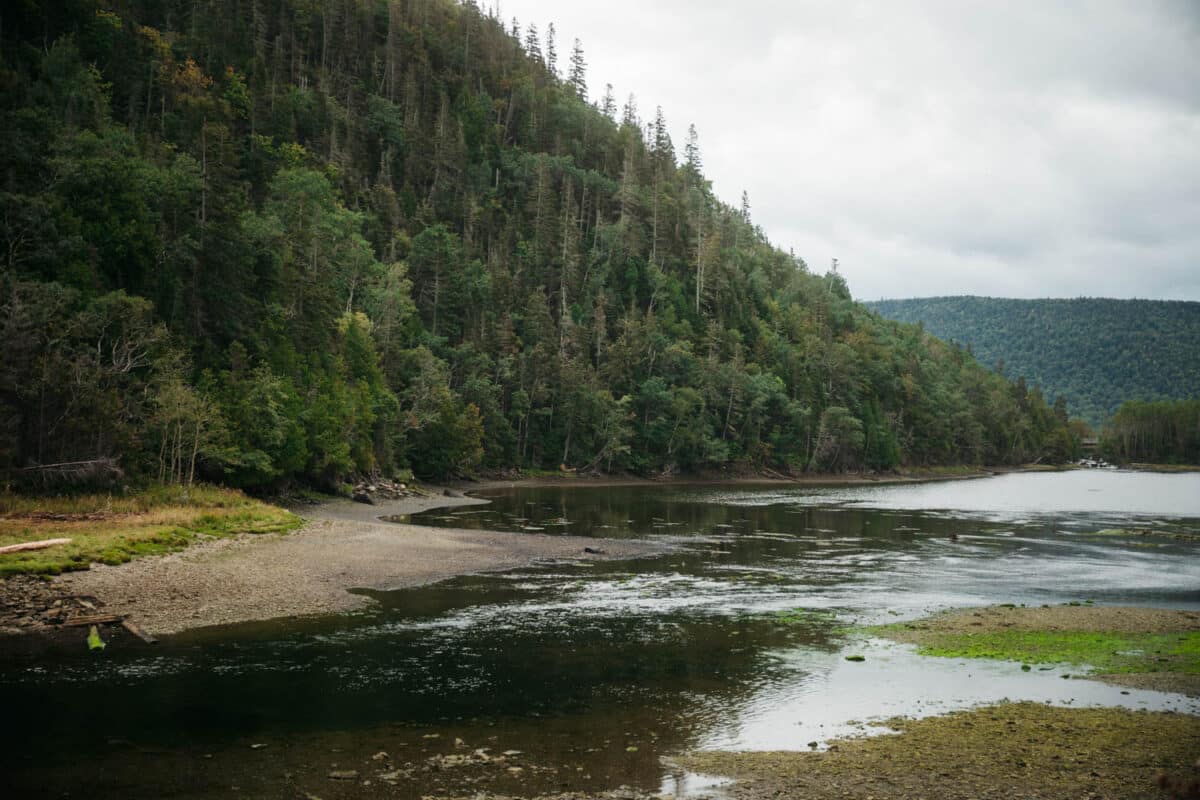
578	77
663	148
691	153
552	50
533	44
629	114
608	106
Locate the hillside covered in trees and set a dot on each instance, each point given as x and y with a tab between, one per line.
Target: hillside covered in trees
258	241
1155	433
1097	353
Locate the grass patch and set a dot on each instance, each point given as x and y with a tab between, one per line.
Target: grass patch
111	529
1075	634
1106	654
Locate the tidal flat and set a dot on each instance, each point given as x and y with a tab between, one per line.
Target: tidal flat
725	628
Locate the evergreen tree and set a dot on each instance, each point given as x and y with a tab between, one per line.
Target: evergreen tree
578	77
551	50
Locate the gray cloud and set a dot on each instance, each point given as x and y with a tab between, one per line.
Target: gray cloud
933	146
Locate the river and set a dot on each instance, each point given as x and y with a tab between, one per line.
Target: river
734	637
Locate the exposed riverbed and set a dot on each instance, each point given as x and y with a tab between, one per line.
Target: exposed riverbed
731	633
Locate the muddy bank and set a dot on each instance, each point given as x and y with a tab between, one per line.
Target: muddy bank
1018	750
343	546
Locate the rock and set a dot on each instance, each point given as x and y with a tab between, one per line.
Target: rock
856	658
514	771
257	746
511	753
459	742
595	551
364	498
381	756
344	775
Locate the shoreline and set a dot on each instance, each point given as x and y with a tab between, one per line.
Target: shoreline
342	546
575	481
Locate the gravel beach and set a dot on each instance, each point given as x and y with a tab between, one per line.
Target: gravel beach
344	546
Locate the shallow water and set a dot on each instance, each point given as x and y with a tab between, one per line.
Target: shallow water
597	670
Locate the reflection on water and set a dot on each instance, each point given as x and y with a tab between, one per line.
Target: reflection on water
596	670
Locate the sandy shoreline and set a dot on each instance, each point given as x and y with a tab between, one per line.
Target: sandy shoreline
343	546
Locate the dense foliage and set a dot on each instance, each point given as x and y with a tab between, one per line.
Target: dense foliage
1155	433
259	240
1097	353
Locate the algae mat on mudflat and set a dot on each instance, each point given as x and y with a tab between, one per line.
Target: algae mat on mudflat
1025	750
1142	647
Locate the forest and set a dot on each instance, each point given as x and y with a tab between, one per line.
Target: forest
259	242
1154	433
1097	353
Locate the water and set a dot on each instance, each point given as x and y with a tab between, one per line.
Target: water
598	670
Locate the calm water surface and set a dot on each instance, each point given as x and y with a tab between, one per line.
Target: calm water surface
735	637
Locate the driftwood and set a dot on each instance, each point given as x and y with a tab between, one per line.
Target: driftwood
138	632
42	545
95	619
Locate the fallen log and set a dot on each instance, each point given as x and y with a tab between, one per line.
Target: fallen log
138	632
23	546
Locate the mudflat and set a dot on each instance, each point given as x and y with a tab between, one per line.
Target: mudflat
1026	750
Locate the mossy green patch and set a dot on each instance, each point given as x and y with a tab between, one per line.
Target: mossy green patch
1105	653
115	529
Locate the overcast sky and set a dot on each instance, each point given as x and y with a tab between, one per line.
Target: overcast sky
1016	148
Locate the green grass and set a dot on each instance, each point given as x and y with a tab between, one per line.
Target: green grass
1106	654
112	530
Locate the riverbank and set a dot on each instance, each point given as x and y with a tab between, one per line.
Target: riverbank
171	560
342	546
1012	750
568	480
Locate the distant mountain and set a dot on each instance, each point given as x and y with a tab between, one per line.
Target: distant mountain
1095	352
